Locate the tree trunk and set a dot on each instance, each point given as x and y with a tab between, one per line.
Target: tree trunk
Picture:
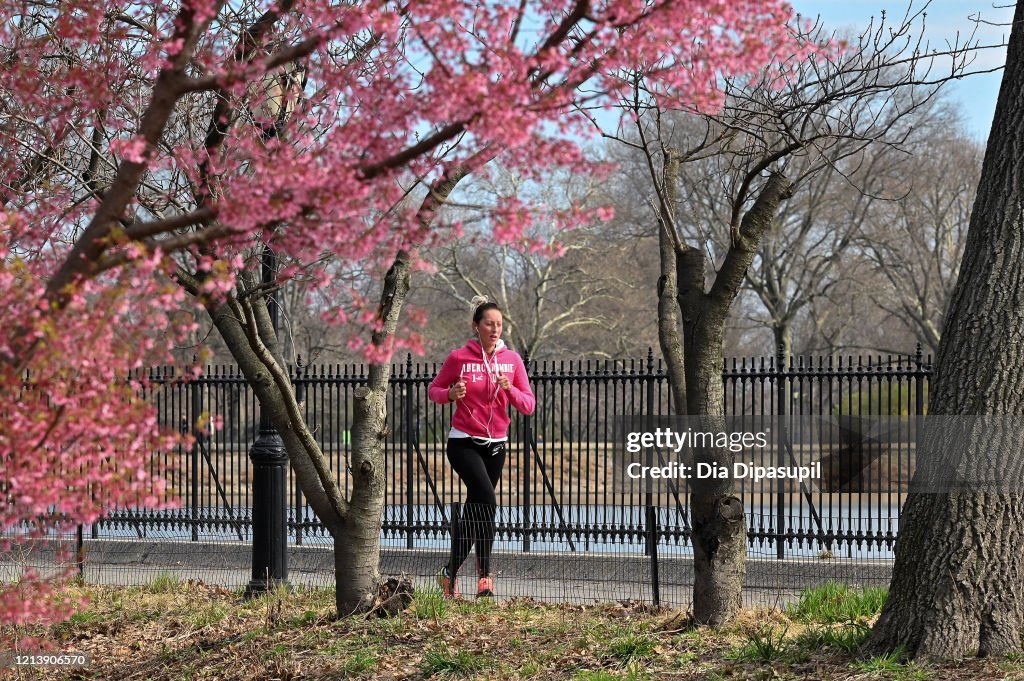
357	548
717	516
670	323
357	545
669	319
354	522
782	333
958	581
719	530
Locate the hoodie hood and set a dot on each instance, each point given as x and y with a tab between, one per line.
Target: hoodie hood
473	344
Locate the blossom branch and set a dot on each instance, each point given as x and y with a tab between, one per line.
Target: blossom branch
296	422
85	254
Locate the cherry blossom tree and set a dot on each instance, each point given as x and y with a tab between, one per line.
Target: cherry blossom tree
153	149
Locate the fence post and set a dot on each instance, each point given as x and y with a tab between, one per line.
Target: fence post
782	397
526	464
652	550
80	553
194	413
455	528
300	398
193	416
919	380
410	447
649	427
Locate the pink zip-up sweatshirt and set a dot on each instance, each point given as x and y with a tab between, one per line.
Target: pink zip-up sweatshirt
483	412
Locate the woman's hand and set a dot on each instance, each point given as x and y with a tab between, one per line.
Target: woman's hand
503	382
457	391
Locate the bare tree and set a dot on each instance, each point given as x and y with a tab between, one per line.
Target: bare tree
915	244
765	142
552	290
545	299
814	230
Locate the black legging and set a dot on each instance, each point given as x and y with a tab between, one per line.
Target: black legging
480	471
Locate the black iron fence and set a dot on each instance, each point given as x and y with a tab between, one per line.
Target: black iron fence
562	485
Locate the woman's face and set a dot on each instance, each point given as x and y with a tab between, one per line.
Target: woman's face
488	330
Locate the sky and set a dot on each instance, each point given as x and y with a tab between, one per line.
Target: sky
945	18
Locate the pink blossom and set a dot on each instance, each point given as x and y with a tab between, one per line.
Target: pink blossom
133	150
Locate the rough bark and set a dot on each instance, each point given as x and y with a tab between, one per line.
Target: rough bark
782	333
669	318
356	567
719	528
958	581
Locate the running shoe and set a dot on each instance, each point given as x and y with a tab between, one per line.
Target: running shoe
449	586
485	588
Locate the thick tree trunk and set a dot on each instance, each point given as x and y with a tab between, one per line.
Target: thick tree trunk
719	528
357	546
958	581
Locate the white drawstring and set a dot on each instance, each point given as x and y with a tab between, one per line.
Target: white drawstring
491	372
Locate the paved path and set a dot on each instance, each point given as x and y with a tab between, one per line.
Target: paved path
564	577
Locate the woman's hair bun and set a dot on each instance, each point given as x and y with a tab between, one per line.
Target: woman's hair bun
477	301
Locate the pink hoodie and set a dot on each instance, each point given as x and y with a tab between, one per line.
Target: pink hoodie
483	412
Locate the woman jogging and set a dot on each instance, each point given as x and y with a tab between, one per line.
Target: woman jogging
482	378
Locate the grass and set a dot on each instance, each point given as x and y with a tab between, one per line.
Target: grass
631	648
764	643
201	632
83	619
210	616
165	583
429	603
891	665
599	675
634	673
447	663
844	638
833	602
360	663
